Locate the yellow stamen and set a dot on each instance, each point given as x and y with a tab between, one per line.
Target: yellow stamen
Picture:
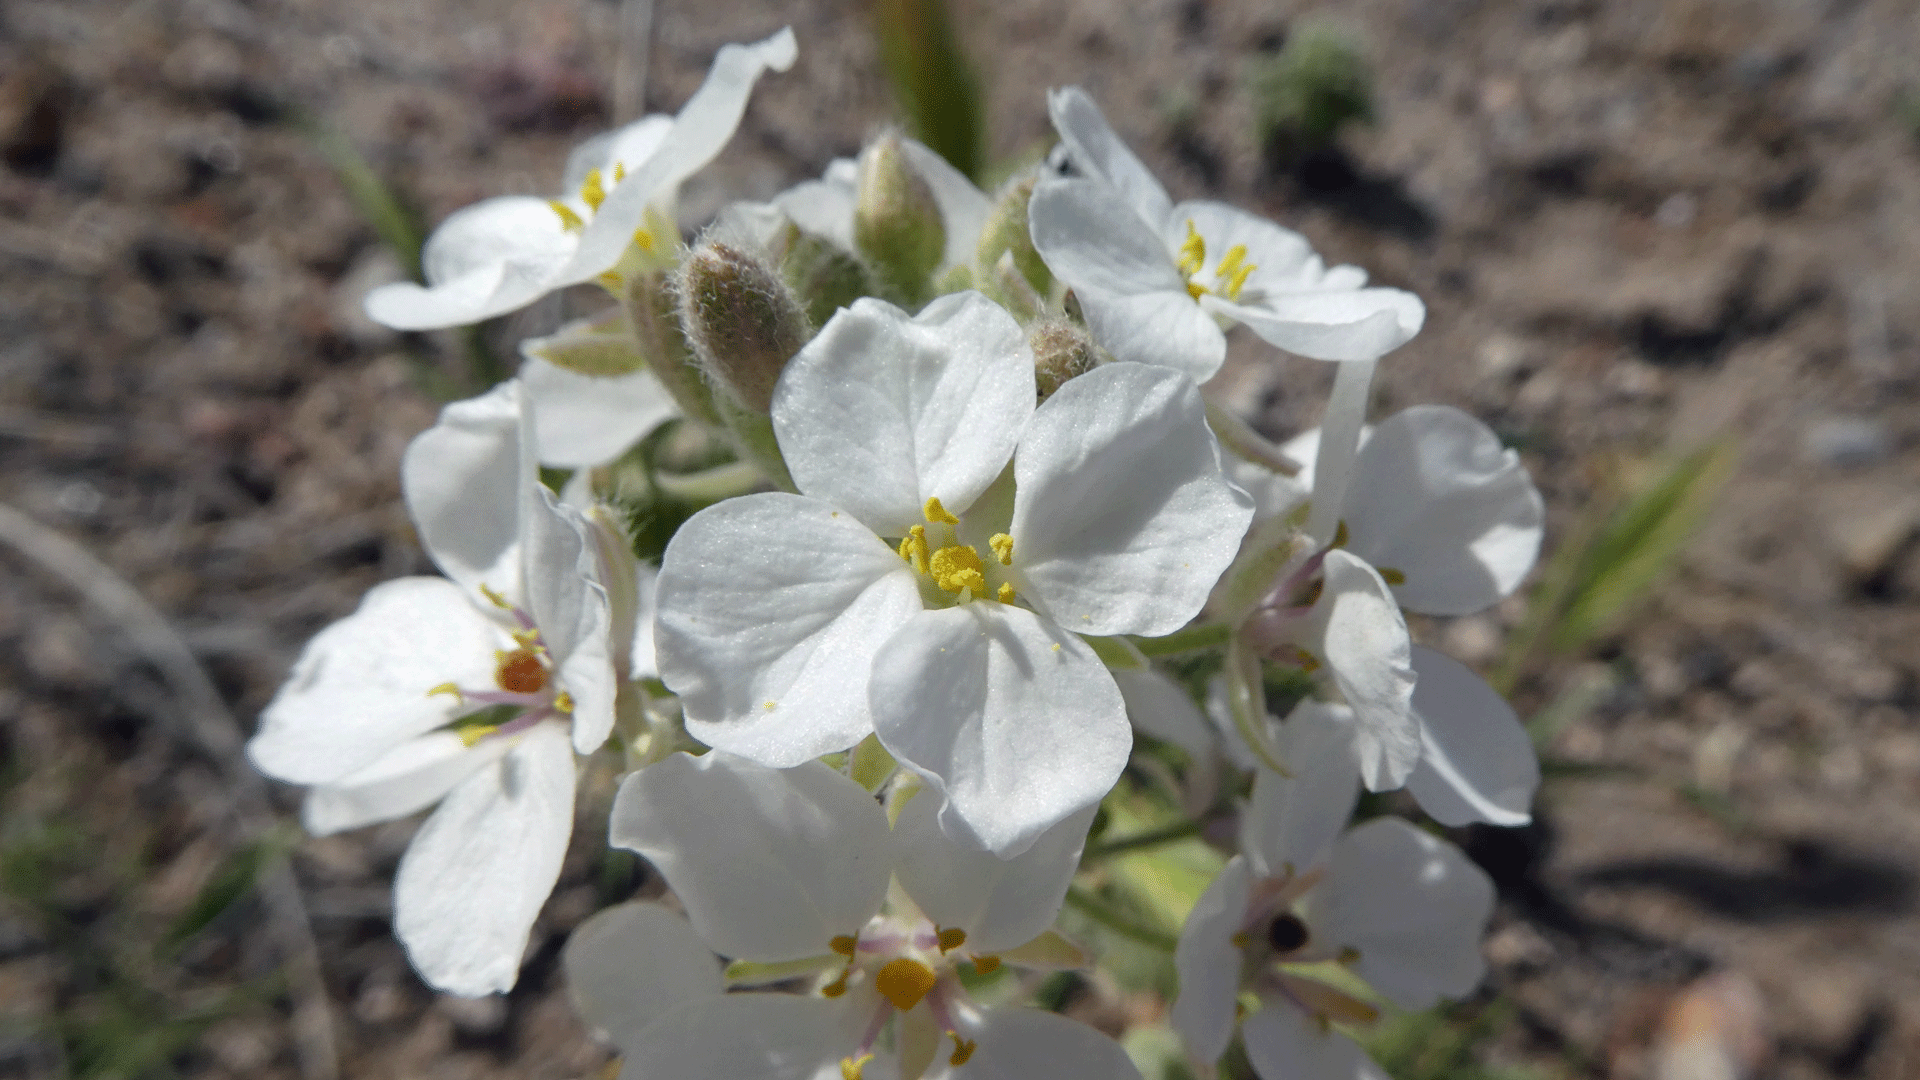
1231	261
1002	546
1196	290
904	982
1241	940
935	512
563	702
529	638
962	1049
446	688
1005	595
913	547
986	965
591	192
844	944
569	221
1340	535
471	736
643	240
952	938
837	987
619	171
850	1067
495	598
1193	252
1239	280
1392	576
612	281
956	568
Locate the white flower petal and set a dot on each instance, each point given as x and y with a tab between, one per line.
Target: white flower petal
571	609
771	607
1098	152
585	420
464	479
1412	904
360	686
632	963
748	1037
1163	709
700	131
882	411
630	146
1435	496
646	585
1020	1044
1282	259
1016	721
1092	240
824	207
1366	648
412	776
1476	761
963	207
1209	964
1284	1044
1331	324
1122	518
479	870
484	260
1292	820
1000	903
772	865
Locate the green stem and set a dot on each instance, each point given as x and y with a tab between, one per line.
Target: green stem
1192	639
1179	830
1099	911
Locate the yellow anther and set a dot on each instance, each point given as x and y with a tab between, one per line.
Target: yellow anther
962	1049
844	944
913	547
904	982
1196	290
1005	595
563	702
1193	252
952	938
1002	546
1340	535
838	986
769	705
591	192
850	1067
643	240
493	597
528	637
986	965
1392	576
1241	940
471	736
611	281
1231	261
569	221
446	688
956	568
935	512
1239	280
619	171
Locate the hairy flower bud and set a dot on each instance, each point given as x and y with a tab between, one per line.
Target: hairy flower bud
824	277
742	321
1061	351
897	225
1006	232
648	302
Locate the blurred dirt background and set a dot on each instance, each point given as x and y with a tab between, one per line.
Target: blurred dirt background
1639	226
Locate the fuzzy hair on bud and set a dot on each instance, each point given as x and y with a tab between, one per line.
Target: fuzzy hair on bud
742	320
1061	351
897	225
1006	233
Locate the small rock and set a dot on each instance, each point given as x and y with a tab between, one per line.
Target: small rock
1847	442
1868	526
1502	356
1677	211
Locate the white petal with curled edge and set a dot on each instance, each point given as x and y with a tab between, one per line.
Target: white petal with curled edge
881	410
700	131
1164	710
1292	821
631	963
360	686
571	609
963	207
756	1036
824	207
771	607
1436	497
1284	1043
484	260
586	420
630	146
1097	151
1412	904
1208	964
1122	518
1000	903
463	479
771	864
1021	1044
1016	721
1366	647
1330	324
407	778
1476	761
479	870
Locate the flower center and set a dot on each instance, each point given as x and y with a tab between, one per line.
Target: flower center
954	567
526	693
1229	274
593	192
910	964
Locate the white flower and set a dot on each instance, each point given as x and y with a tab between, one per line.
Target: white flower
1400	909
920	588
504	253
1155	280
824	207
473	692
795	873
588	420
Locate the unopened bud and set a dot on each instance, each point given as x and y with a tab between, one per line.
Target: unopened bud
742	321
647	299
1006	231
897	225
1061	350
824	277
603	347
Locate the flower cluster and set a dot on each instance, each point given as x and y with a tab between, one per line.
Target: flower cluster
943	517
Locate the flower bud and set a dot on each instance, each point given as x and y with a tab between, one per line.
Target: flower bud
602	347
1061	350
897	224
742	321
1005	231
825	278
647	299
